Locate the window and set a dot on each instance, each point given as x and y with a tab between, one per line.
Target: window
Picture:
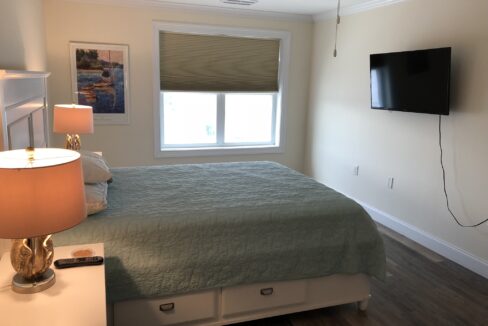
218	90
192	119
189	118
249	118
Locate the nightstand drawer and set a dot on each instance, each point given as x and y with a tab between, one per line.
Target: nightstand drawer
248	298
167	311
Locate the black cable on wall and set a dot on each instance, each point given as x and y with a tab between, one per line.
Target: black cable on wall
444	183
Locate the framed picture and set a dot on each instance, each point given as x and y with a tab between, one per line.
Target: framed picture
100	78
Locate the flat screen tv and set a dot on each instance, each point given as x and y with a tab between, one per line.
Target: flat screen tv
412	81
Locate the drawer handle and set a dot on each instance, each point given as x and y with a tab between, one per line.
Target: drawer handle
167	307
267	291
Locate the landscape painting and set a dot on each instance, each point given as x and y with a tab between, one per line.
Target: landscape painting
100	80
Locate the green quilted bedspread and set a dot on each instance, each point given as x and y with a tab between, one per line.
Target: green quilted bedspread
182	228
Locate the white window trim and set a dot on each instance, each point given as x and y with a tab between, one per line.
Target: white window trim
281	100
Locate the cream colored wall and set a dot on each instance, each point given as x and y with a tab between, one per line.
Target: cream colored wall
133	144
22	35
344	132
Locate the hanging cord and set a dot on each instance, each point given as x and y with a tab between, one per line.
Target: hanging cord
338	21
444	184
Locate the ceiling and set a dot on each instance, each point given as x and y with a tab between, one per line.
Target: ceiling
303	7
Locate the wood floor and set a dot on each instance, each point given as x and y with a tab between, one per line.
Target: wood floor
422	288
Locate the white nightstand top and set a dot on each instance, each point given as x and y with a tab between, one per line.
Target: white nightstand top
77	298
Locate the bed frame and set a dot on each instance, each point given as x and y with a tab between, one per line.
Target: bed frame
236	304
24	122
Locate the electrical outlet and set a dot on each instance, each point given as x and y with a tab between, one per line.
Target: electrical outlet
355	171
391	181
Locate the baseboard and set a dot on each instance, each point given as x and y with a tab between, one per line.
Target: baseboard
443	248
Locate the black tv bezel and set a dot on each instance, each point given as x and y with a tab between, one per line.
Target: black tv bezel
444	111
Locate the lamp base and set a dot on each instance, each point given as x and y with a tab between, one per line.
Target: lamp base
73	142
41	283
31	259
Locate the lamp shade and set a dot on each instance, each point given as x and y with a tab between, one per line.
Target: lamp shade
73	119
41	192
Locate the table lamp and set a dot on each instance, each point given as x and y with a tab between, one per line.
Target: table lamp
41	193
72	120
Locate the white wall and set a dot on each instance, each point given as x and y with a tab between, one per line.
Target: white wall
133	144
22	35
344	132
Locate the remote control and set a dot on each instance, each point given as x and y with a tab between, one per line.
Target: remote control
76	262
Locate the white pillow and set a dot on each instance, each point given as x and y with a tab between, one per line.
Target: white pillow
96	197
95	168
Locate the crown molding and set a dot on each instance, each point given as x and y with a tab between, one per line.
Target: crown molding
200	9
354	9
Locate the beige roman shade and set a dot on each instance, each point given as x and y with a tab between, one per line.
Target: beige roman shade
191	62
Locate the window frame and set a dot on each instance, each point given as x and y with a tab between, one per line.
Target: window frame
279	99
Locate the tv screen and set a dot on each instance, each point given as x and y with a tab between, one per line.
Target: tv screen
413	81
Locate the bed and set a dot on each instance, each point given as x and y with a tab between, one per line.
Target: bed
223	243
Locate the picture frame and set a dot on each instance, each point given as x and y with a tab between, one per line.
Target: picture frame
100	79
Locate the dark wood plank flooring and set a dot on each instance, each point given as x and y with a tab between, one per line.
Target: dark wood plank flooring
421	288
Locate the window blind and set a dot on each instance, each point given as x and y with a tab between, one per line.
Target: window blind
191	62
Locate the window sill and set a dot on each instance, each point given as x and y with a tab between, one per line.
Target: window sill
218	151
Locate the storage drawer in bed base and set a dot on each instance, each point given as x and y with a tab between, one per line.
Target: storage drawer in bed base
195	307
243	303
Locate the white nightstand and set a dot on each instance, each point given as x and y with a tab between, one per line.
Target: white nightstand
77	297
